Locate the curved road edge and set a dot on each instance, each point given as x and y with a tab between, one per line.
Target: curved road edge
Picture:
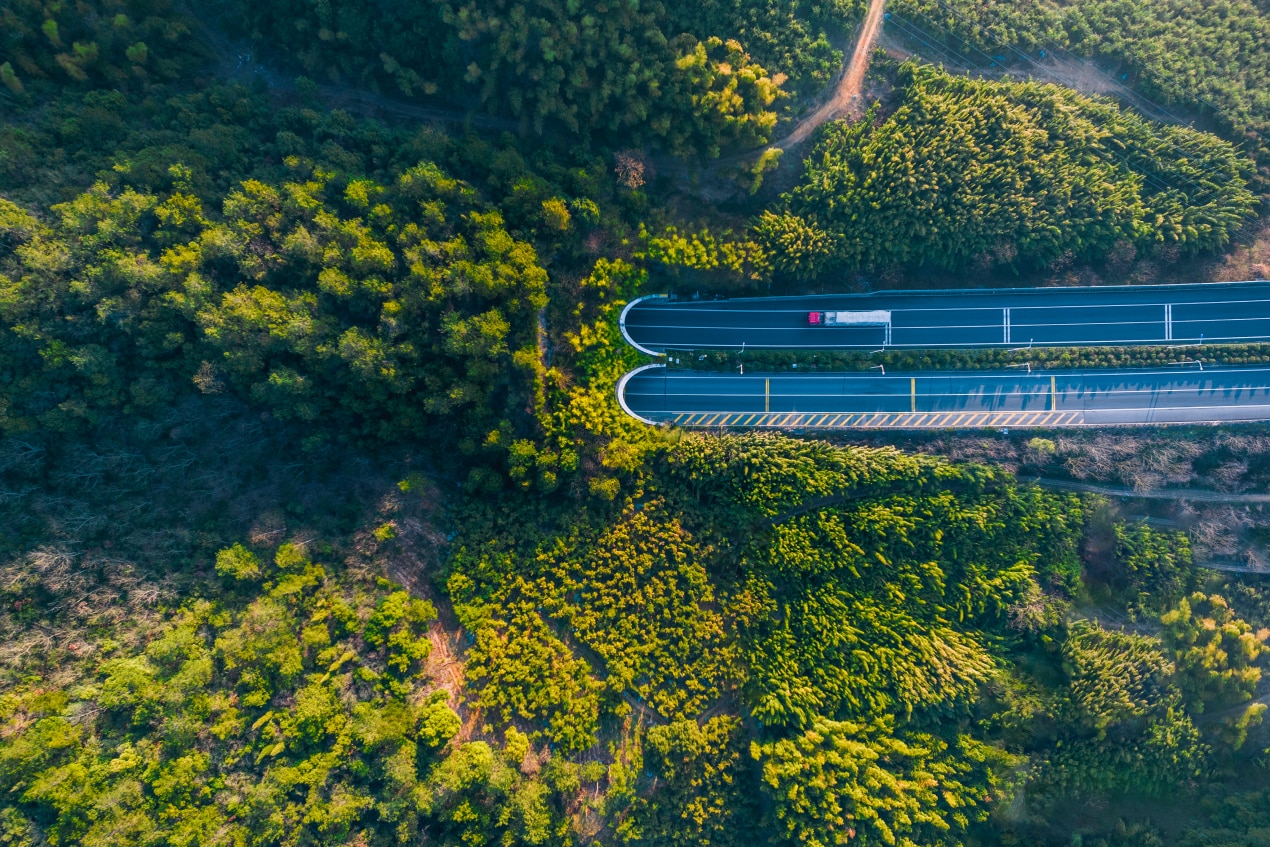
945	399
621	325
621	393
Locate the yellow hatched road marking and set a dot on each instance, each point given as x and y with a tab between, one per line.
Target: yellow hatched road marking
877	420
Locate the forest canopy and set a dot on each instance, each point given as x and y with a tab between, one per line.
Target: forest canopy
966	172
1209	58
320	522
616	70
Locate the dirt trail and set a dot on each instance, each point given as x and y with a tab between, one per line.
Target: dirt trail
846	94
1193	495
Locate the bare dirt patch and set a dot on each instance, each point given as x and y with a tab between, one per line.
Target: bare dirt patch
845	98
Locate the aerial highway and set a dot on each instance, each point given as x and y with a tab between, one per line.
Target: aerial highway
1043	317
937	400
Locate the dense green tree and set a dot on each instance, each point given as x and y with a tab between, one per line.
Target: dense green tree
1207	57
616	70
701	794
857	783
996	173
296	710
1154	566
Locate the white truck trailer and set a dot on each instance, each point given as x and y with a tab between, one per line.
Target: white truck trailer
876	317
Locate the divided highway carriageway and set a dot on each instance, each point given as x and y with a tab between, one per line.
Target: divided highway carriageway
1047	317
1111	316
935	400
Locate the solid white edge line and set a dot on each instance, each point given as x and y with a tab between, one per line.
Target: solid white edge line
1179	286
621	325
621	394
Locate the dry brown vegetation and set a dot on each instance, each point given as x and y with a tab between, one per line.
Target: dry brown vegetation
1187	461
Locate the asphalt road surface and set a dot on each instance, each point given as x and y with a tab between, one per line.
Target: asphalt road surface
1045	317
931	400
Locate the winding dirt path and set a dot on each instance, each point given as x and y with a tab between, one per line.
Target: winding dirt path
1193	495
846	95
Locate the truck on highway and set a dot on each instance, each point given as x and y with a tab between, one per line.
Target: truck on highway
875	317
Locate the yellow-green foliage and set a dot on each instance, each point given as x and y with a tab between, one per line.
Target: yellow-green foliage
725	260
386	310
862	783
1004	173
702	794
619	71
1217	654
521	670
1203	56
296	707
1126	725
640	597
1153	566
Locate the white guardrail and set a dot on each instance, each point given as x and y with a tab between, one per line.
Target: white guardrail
621	393
621	325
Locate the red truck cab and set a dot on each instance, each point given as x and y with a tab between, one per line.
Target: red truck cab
813	318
